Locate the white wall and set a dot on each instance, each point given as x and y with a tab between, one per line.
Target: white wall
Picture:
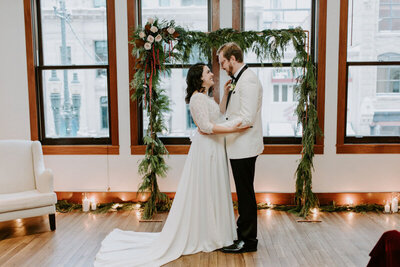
14	108
274	173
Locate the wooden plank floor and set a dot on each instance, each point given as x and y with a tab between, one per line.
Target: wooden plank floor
342	239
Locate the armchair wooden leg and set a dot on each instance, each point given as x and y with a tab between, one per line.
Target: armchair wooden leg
52	221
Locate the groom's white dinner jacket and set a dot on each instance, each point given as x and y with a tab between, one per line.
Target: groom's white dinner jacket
245	106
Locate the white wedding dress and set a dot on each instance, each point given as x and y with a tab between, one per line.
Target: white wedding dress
201	217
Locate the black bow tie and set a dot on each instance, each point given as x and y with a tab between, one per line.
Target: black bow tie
233	79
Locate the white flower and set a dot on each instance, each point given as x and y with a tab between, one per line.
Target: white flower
154	29
273	46
147	46
232	86
171	30
158	38
150	39
142	34
150	20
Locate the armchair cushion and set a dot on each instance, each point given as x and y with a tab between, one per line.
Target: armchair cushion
26	200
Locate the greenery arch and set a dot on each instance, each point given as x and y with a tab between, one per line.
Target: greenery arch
160	42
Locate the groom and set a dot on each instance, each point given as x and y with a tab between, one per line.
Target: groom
242	103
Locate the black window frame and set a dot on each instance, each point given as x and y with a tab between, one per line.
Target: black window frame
40	67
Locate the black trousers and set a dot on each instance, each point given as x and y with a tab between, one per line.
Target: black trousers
243	173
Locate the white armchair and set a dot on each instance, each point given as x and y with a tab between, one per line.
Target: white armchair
26	187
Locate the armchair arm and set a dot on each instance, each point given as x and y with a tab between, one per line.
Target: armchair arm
45	181
43	177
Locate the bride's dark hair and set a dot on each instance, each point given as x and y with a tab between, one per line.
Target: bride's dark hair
194	81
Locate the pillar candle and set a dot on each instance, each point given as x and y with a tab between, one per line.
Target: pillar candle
387	207
85	204
93	205
395	205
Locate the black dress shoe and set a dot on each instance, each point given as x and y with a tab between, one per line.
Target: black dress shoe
238	247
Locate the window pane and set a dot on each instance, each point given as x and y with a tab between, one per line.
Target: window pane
396	10
104	112
164	3
388	79
75	103
373	28
373	105
99	3
272	14
384	11
278	113
284	92
276	93
186	2
190	14
396	24
178	121
74	24
101	52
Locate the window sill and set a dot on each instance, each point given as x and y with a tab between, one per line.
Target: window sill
268	149
81	150
368	149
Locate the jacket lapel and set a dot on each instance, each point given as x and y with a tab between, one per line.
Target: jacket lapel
236	81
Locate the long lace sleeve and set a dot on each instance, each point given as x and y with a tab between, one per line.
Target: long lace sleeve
199	110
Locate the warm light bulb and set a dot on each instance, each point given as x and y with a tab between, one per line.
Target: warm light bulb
314	211
116	205
350	201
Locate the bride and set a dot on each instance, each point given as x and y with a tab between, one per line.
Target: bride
201	217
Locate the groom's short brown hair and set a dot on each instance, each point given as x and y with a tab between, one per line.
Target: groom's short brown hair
231	49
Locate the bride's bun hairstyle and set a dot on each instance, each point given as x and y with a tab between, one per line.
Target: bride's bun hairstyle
194	81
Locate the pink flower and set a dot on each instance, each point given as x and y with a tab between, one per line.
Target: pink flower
147	46
150	39
158	38
142	35
171	30
154	29
150	20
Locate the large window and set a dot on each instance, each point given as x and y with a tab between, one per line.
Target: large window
282	134
72	80
279	100
369	76
178	119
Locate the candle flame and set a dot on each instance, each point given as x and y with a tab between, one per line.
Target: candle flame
350	201
314	211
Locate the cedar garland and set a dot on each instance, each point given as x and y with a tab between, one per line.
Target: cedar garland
64	206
